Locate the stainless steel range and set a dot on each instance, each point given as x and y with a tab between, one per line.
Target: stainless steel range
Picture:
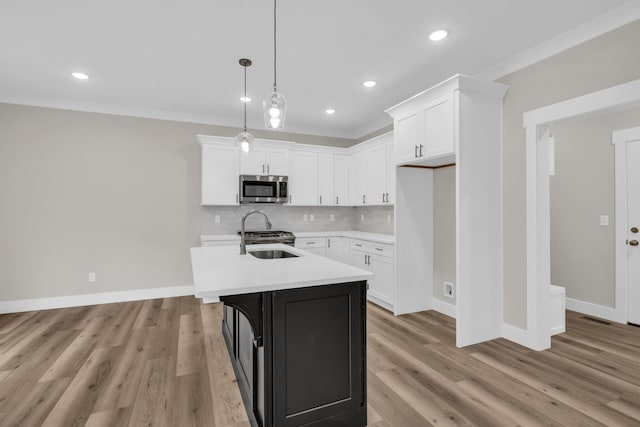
269	236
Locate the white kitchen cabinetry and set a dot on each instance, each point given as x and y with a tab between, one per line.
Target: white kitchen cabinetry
341	179
326	179
303	178
265	161
315	245
378	259
424	135
457	121
220	177
373	172
338	249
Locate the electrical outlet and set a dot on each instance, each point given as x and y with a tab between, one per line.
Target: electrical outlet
305	217
312	217
604	220
361	217
217	219
332	217
92	277
448	290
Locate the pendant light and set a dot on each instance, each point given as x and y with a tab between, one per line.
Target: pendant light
274	105
244	139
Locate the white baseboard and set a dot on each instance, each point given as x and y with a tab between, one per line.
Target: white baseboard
517	335
17	306
378	301
601	311
444	307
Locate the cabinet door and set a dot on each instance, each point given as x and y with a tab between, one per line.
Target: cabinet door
245	352
361	179
407	138
381	286
338	249
355	198
391	175
438	127
325	179
303	178
341	179
359	259
253	162
220	177
376	177
277	161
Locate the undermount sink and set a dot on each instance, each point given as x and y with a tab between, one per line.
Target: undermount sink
272	254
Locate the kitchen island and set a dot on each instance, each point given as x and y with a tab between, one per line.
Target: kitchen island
295	330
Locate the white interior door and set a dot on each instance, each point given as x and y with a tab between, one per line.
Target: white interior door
633	228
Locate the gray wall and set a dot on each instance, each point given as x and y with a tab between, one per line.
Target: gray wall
85	192
603	62
444	230
582	251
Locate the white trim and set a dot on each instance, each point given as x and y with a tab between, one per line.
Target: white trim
17	306
444	307
379	302
538	228
619	139
596	310
603	24
517	335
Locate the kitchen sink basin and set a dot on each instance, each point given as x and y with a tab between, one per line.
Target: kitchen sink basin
272	254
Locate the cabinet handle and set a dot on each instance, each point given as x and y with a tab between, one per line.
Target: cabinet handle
378	249
415	151
320	199
237	198
328	243
289	198
421	147
262	168
364	199
310	243
267	168
357	244
365	259
336	200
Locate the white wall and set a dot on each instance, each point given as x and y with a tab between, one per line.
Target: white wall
444	230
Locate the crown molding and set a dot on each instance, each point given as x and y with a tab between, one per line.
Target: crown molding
603	24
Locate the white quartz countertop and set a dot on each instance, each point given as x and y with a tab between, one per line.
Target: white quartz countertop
363	235
221	270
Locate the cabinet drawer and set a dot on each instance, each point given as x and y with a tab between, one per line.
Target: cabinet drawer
310	242
381	249
359	245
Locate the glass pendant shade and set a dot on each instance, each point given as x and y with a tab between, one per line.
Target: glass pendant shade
275	110
244	140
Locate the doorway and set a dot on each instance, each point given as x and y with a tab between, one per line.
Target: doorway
627	152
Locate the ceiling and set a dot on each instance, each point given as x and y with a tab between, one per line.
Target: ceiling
179	59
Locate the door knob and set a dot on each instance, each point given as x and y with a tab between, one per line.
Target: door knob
634	229
633	242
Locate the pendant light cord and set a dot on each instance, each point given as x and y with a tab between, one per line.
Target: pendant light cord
245	98
275	49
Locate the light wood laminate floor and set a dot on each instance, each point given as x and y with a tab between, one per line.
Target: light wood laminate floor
164	363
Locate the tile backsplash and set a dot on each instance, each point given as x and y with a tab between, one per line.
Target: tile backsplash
377	219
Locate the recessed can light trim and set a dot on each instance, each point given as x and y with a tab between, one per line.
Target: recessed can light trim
330	111
438	35
369	83
245	98
80	76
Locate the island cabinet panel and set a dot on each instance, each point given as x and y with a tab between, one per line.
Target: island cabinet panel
310	367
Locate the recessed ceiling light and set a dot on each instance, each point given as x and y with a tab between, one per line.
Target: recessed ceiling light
369	83
438	35
329	111
245	99
80	76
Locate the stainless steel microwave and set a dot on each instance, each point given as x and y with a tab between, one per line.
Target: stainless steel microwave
263	189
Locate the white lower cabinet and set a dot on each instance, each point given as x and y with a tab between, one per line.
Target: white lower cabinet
315	245
378	259
338	249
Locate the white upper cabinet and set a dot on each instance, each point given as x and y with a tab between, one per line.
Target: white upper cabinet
265	161
303	178
341	179
376	175
372	172
326	180
406	137
220	177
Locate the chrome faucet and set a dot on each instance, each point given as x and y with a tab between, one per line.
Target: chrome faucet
267	223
